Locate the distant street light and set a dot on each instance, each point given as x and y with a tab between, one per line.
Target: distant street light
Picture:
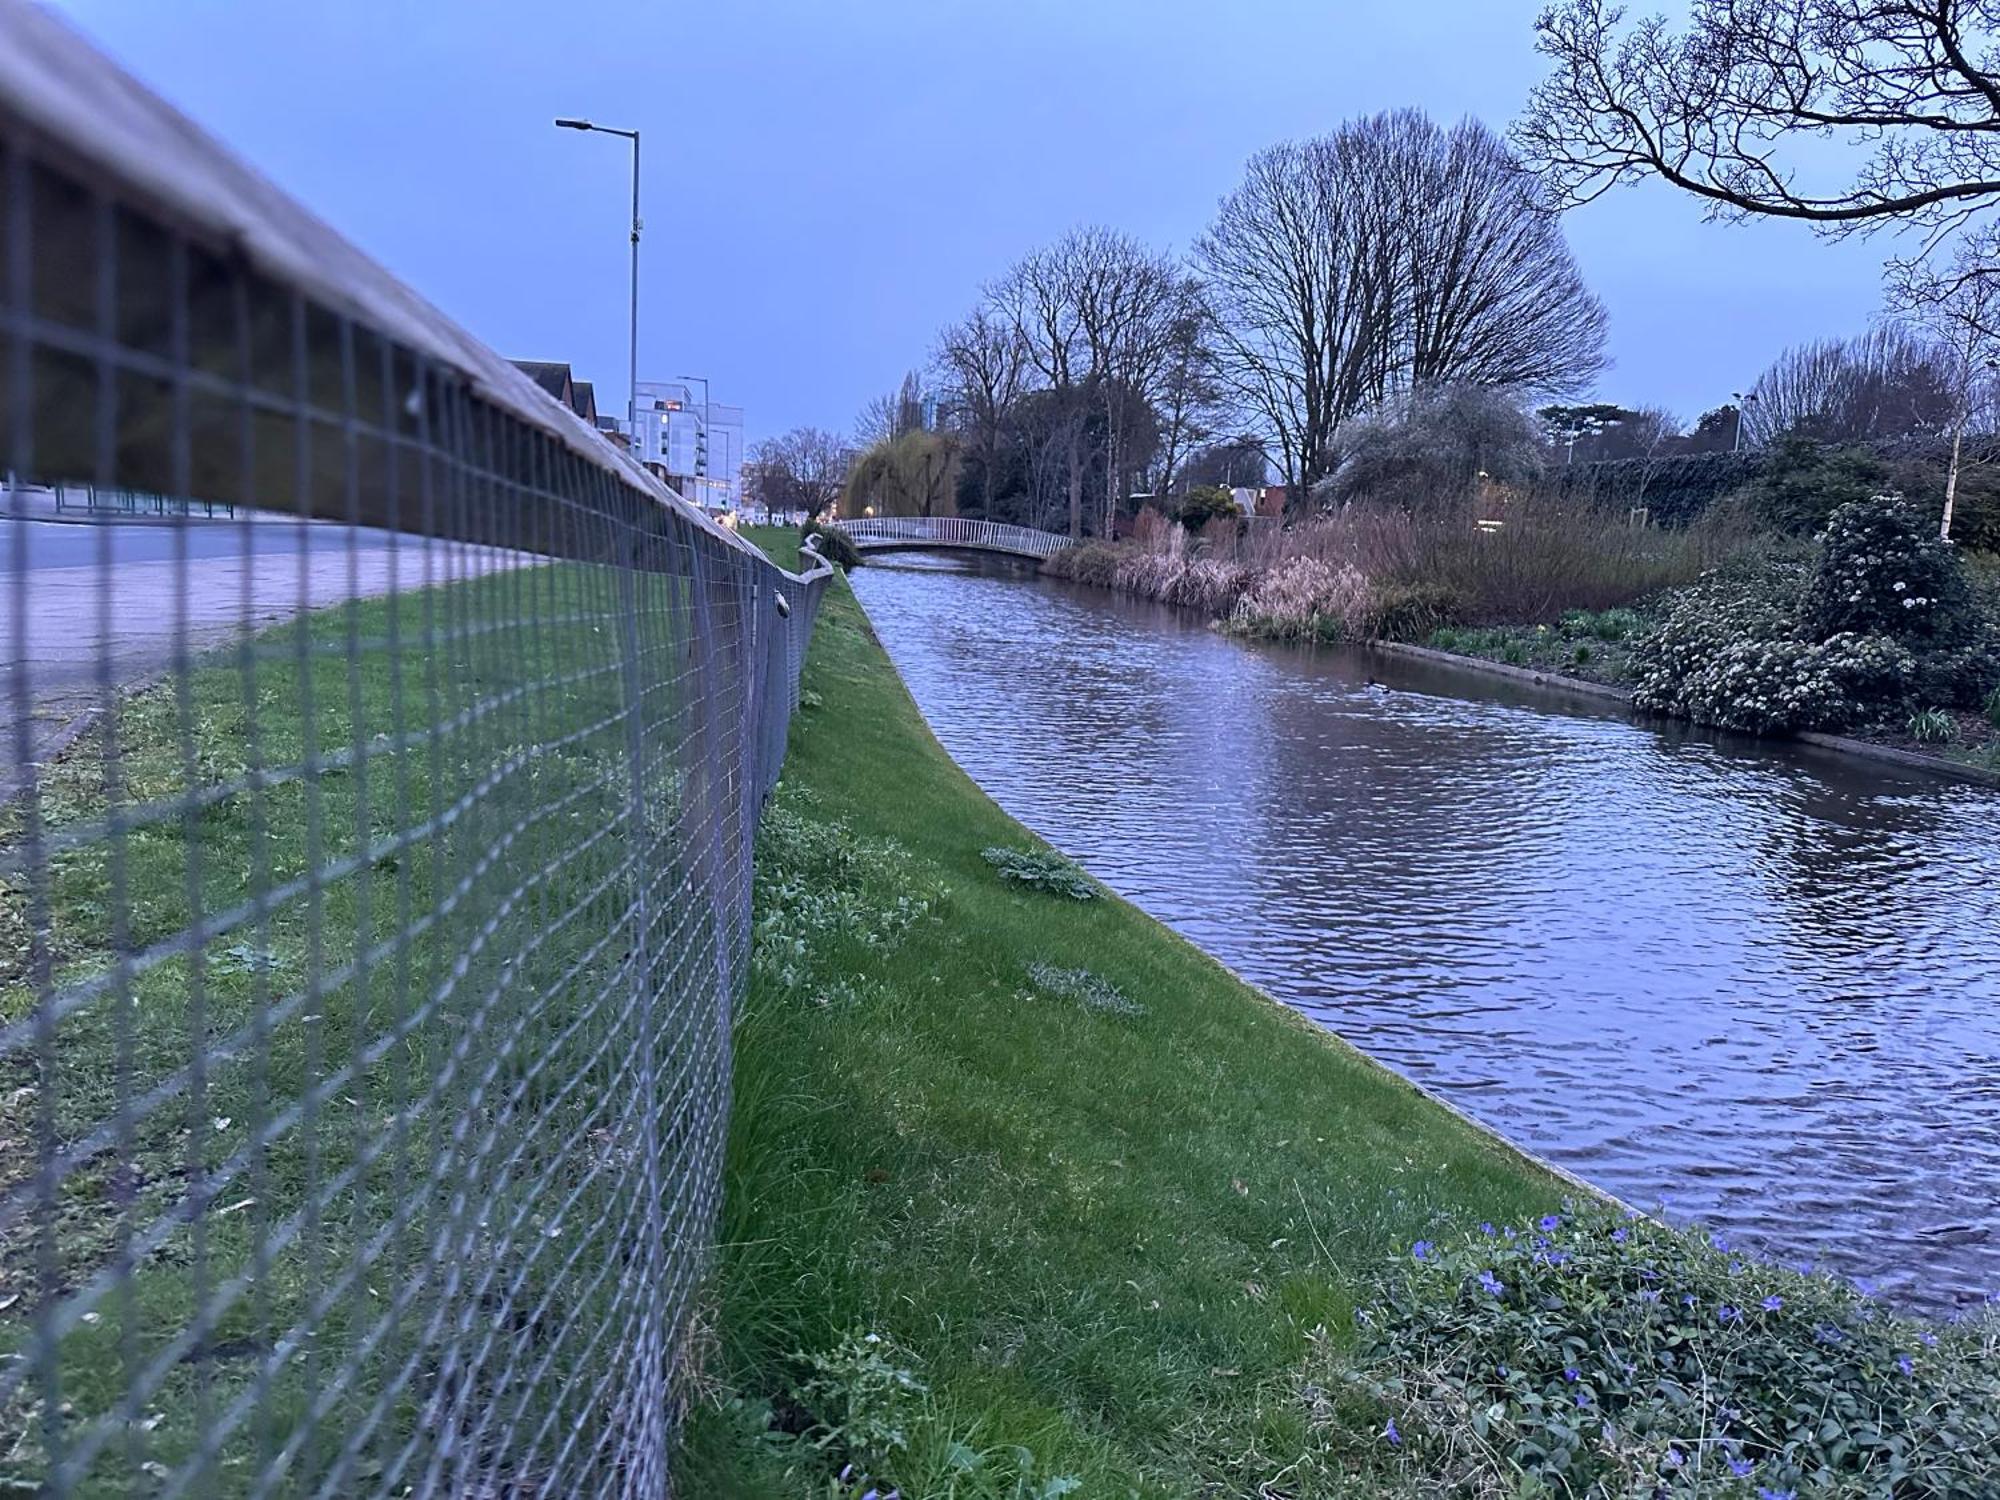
632	403
1743	400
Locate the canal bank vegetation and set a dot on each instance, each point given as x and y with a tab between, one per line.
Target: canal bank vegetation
1027	1198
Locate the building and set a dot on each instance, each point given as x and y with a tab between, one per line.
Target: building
556	377
696	443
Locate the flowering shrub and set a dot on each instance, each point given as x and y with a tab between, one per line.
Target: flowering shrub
1883	571
1608	1355
1748	647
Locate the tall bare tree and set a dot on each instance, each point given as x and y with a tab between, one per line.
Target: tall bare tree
802	470
1389	254
1097	311
1736	108
1492	295
1888	383
1958	306
981	361
1298	284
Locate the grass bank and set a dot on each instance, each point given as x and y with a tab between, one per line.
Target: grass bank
1107	1205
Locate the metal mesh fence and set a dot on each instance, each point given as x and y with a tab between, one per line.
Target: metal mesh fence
374	856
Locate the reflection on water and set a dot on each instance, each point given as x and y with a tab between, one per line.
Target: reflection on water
1758	984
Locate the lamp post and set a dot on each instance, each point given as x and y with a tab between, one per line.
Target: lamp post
705	432
1744	399
632	401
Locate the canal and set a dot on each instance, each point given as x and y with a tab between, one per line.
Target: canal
1755	984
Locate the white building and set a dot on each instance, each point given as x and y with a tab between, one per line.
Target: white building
698	443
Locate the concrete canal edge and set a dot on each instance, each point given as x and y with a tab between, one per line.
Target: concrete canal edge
1913	760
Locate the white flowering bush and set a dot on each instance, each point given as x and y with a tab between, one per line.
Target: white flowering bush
1883	571
1880	624
1596	1354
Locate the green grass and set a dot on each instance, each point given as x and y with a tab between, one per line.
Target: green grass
1125	1237
1595	646
425	1005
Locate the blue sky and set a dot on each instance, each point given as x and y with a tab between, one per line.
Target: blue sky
825	185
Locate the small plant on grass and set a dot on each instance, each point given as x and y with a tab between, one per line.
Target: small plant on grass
862	1399
1933	726
1043	870
1091	991
1592	1354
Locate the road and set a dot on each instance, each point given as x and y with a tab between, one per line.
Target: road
70	621
63	544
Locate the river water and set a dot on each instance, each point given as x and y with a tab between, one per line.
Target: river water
1758	985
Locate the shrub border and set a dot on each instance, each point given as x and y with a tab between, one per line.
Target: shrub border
1914	760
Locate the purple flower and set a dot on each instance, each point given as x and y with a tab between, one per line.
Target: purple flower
1719	1242
1741	1467
1555	1257
1773	1302
1551	1221
1541	1243
1826	1333
1903	1363
1572	1374
1651	1294
1674	1459
1421	1250
1582	1399
1507	1231
1395	1438
1688	1300
1491	1284
1487	1230
1927	1339
1617	1236
1727	1314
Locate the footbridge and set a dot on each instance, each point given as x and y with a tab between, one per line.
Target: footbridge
950	534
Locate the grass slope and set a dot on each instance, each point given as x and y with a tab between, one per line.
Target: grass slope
1108	1234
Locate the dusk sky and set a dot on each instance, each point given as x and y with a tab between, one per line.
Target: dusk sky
825	185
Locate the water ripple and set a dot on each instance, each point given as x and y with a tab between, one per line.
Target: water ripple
1757	985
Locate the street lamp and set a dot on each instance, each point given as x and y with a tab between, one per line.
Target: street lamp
632	404
1744	399
705	455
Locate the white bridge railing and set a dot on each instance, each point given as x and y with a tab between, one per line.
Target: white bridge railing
884	532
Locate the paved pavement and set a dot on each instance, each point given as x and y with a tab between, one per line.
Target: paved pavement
63	620
77	544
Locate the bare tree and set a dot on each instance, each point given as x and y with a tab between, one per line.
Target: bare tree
1734	109
803	471
981	361
1388	254
1887	383
1492	294
1097	311
1038	300
1298	288
1188	401
1958	308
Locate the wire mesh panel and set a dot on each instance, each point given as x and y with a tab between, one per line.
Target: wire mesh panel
375	821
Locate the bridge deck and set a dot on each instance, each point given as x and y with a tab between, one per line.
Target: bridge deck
950	533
